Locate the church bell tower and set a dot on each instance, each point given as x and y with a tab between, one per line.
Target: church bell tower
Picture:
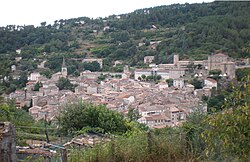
64	69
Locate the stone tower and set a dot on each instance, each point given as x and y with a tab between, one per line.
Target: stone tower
176	59
126	69
64	69
215	60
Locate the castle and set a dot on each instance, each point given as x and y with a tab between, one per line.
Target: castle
217	61
221	62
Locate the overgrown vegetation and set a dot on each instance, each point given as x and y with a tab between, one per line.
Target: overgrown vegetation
26	126
138	146
82	117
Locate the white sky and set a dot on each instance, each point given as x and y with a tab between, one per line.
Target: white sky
27	12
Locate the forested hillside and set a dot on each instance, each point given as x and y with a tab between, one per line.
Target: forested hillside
192	30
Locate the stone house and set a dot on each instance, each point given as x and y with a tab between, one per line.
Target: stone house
178	83
90	75
34	111
30	85
86	140
53	90
92	89
189	88
139	72
80	89
175	114
46	112
162	85
164	73
147	109
155	120
210	83
34	76
148	59
177	73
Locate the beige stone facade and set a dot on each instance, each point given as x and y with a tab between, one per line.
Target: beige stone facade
221	62
100	61
148	59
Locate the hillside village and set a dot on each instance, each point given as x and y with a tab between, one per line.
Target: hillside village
157	103
166	83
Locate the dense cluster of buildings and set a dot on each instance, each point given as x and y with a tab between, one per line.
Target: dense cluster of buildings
158	105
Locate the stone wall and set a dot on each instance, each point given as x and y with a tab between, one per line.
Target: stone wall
7	142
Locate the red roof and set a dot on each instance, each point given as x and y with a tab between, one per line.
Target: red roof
220	54
30	83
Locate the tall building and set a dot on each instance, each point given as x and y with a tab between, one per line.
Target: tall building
64	70
228	69
221	62
215	60
176	59
126	69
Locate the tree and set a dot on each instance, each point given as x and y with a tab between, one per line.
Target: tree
170	82
143	77
158	77
78	116
43	23
199	66
101	77
54	62
241	73
11	88
47	73
149	78
191	67
23	79
215	74
64	84
198	84
118	76
37	86
133	115
92	66
5	112
147	42
227	134
215	103
193	129
122	36
76	73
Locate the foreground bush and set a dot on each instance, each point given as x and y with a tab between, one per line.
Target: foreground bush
82	116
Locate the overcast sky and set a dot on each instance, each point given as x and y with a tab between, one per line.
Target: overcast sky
33	12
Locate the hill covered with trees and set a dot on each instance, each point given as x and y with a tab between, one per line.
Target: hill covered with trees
192	30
